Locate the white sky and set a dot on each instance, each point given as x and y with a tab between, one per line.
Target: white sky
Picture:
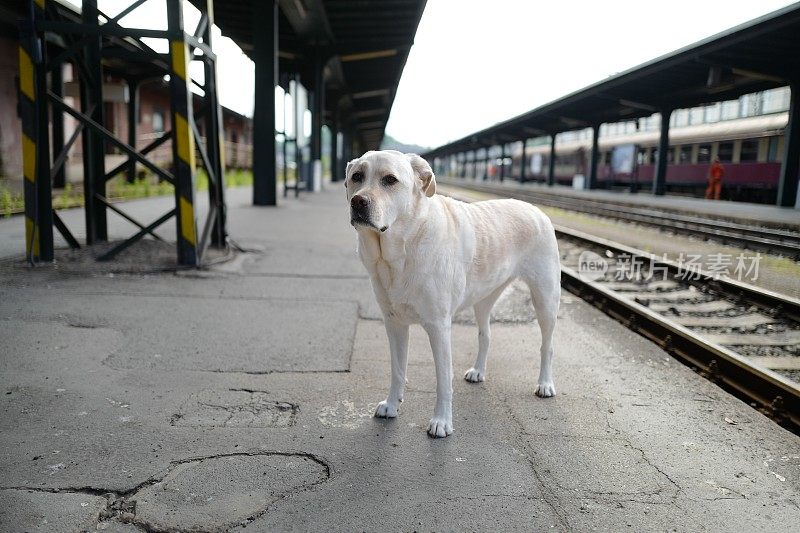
476	63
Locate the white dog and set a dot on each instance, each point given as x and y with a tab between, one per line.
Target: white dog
429	256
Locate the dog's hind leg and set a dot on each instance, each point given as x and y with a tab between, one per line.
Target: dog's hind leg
483	310
546	293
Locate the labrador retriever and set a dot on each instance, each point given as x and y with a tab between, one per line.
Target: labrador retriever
429	256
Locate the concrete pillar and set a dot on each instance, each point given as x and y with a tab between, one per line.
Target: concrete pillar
317	110
660	179
788	181
265	56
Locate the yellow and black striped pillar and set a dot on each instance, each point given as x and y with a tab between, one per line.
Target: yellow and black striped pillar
183	148
35	142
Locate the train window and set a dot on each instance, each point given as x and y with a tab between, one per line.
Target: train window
696	115
685	154
725	152
641	157
670	156
772	151
749	150
704	153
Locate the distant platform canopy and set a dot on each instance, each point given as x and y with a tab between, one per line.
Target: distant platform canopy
761	54
758	55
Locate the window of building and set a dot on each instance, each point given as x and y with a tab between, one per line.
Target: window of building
775	100
730	110
749	150
704	153
713	112
681	117
685	154
750	105
158	121
725	152
696	115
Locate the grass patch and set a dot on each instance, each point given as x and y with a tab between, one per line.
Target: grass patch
118	188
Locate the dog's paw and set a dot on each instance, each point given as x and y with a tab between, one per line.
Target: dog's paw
439	427
545	390
474	376
386	410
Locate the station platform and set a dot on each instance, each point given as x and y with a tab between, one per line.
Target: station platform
740	212
241	396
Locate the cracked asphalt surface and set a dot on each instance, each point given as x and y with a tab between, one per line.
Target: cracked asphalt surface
240	398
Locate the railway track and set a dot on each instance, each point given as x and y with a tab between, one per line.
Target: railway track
768	240
745	339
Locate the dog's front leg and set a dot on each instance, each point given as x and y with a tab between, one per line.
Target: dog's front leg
398	346
441	424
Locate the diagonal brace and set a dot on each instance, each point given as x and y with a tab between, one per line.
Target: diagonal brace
110	137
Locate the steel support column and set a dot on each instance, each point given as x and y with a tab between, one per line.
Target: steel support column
215	140
94	182
57	88
660	178
502	161
591	182
335	171
183	145
486	163
35	142
133	124
265	56
474	164
551	162
790	167
522	164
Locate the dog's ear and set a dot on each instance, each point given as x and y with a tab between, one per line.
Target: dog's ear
348	170
424	172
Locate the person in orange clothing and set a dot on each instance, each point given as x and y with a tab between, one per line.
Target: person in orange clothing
715	173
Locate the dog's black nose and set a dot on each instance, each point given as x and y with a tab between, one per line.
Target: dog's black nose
358	202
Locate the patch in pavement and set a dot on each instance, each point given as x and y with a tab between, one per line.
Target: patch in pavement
235	408
345	414
51	512
234	335
217	493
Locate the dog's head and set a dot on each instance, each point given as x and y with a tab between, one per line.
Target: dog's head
384	185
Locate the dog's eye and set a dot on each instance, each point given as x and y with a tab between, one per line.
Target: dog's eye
357	177
389	180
